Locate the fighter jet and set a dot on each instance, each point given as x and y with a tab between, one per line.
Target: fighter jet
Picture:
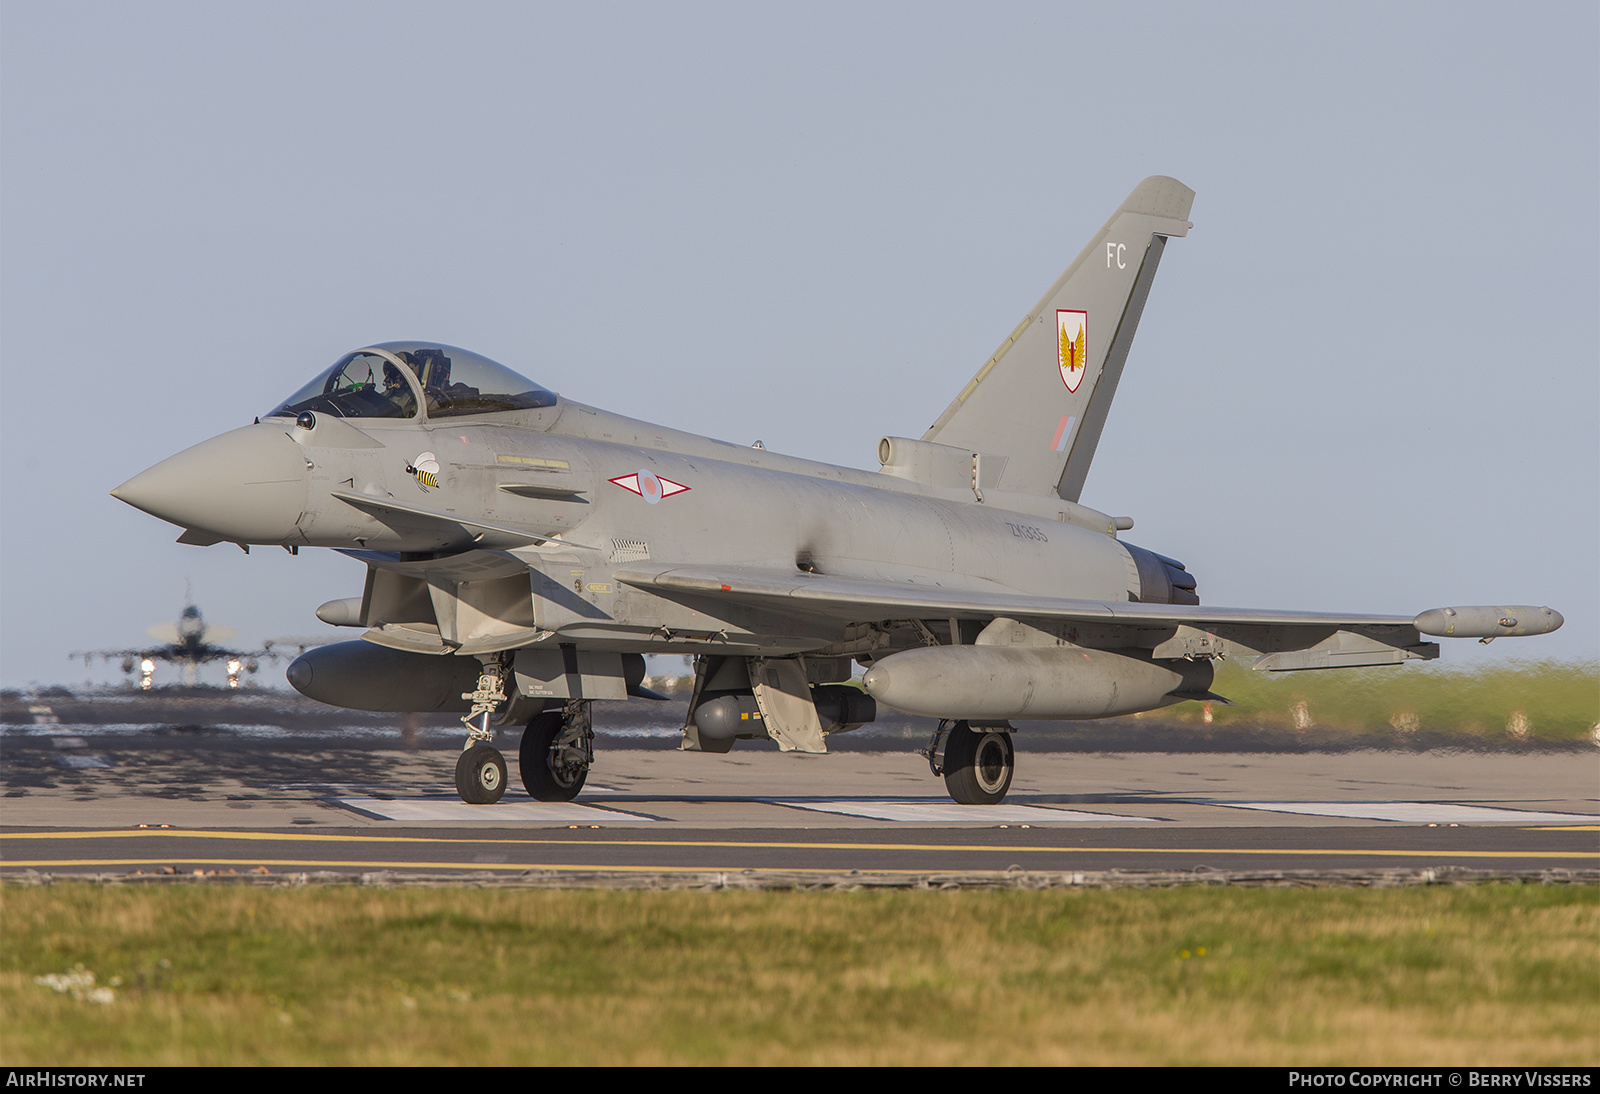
524	552
190	643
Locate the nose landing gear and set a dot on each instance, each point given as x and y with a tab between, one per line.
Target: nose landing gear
481	775
481	770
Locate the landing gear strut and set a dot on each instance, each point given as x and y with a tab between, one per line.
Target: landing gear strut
976	763
557	749
481	770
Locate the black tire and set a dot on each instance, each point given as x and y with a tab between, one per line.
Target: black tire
977	765
543	780
481	775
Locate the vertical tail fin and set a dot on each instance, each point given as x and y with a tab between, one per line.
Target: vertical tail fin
1042	399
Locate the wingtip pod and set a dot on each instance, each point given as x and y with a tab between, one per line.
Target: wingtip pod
1488	621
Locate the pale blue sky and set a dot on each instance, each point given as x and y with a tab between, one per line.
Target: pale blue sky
1368	379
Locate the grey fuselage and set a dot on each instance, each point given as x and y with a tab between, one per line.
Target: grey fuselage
742	506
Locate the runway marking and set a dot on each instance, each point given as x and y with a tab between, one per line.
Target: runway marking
521	867
342	790
945	812
1406	812
445	809
83	762
582	867
1313	852
329	837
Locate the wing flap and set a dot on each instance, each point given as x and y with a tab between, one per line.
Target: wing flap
1345	649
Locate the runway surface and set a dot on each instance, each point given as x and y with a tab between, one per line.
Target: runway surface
126	801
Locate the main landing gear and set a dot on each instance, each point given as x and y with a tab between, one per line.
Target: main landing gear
976	763
557	748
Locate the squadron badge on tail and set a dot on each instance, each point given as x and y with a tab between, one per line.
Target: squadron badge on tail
1072	334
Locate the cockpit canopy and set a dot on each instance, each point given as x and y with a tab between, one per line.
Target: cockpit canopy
387	381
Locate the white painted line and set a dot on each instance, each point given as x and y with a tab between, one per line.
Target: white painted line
83	761
502	812
949	812
1412	812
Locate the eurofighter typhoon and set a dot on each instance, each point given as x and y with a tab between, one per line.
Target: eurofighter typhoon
525	551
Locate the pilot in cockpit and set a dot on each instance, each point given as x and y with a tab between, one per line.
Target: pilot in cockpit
432	367
395	388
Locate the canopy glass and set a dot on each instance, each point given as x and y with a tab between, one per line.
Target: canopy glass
391	379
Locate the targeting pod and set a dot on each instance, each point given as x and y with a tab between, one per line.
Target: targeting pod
1487	621
736	715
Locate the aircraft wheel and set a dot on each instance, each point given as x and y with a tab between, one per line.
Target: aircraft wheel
546	775
977	765
481	775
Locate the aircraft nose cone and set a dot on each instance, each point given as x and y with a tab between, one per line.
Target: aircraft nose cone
248	485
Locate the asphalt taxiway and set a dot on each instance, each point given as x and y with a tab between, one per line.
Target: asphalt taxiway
127	802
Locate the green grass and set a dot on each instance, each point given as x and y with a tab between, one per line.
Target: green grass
1551	703
1488	974
1510	704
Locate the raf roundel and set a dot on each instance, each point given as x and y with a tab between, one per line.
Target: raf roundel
652	488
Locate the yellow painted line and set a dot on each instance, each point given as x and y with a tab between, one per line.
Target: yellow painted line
318	837
518	866
884	846
311	837
1567	828
522	867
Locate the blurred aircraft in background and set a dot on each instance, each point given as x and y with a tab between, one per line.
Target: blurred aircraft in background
191	642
